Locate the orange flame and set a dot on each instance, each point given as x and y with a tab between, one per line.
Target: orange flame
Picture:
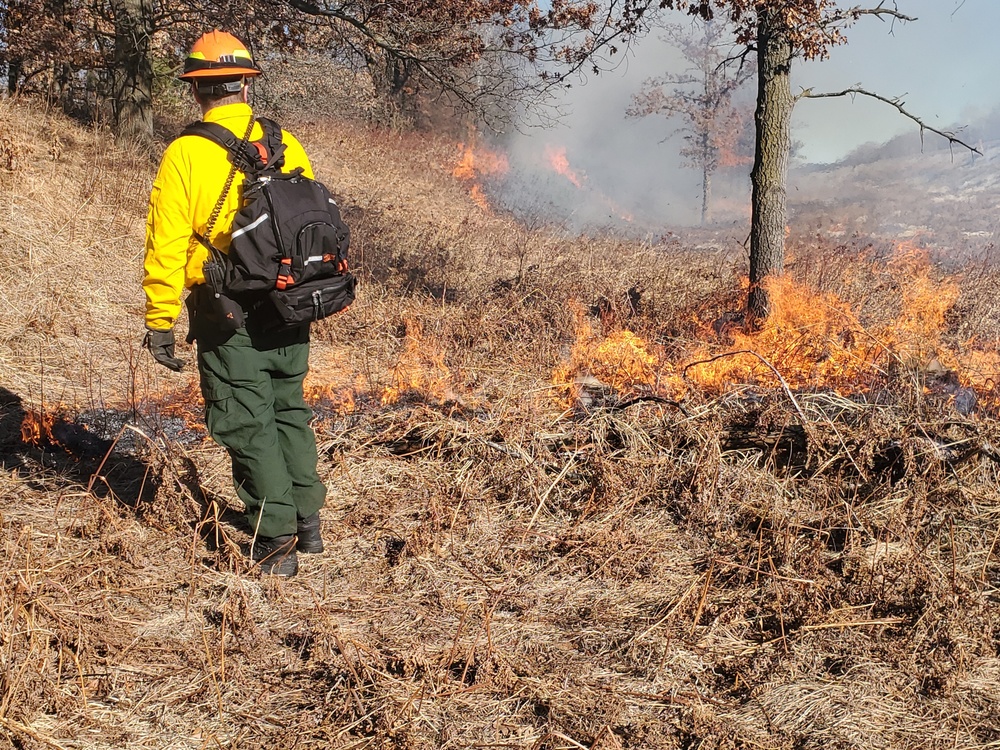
477	195
421	368
333	381
557	159
476	163
556	156
620	212
466	167
622	361
915	337
36	428
339	399
812	338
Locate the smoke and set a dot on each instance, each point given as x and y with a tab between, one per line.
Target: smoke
630	174
633	178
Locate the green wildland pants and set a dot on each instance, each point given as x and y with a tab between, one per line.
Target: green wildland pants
254	407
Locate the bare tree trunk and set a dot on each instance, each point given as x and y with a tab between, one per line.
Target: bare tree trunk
13	75
706	176
770	168
706	197
132	94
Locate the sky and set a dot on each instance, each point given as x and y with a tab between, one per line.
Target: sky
945	67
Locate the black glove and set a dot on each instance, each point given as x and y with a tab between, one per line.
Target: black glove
161	346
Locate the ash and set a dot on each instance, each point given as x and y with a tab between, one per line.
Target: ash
111	426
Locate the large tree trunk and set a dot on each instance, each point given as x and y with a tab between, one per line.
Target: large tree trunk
133	68
770	168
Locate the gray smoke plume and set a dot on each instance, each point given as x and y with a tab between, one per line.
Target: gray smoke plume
630	167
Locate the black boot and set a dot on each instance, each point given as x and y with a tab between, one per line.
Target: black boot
276	555
310	541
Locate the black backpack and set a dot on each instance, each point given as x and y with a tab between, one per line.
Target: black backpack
289	243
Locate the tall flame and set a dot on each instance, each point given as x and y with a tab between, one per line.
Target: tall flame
915	337
556	156
465	169
421	368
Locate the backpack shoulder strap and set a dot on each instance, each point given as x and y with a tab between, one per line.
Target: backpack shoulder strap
273	143
243	155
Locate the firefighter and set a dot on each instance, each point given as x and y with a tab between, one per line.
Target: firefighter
251	380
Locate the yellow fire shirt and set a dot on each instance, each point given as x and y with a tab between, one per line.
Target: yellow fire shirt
190	180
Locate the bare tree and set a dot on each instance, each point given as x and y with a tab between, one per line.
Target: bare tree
43	43
702	97
780	32
484	57
480	55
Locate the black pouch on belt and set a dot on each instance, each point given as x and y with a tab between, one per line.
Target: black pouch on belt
212	315
226	313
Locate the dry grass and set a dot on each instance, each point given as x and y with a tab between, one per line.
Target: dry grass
510	564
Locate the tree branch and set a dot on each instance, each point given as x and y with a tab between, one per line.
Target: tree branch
766	363
898	105
842	18
748	49
880	11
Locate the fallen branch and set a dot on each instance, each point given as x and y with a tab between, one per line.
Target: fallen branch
544	496
772	368
858	624
654	399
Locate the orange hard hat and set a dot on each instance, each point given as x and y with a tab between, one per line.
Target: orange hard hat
218	55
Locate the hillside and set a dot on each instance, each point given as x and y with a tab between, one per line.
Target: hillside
947	197
572	504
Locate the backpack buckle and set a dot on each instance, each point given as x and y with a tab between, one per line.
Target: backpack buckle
284	279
